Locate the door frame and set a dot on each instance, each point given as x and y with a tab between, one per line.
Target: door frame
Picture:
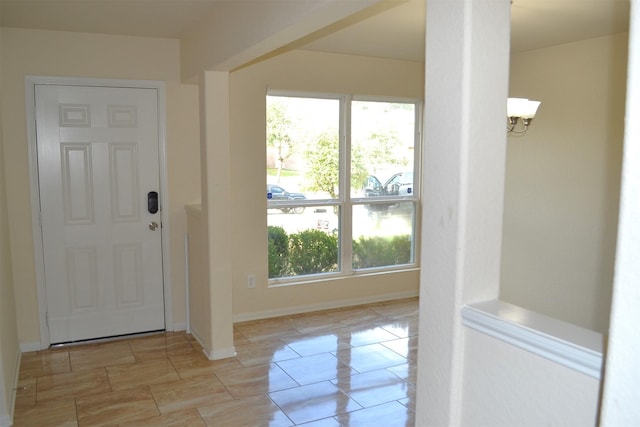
38	247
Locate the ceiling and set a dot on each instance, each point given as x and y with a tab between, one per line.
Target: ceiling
397	32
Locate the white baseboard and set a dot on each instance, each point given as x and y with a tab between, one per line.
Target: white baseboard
286	311
181	326
198	338
217	354
26	347
16	378
220	354
5	421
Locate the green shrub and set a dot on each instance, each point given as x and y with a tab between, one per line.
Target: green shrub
381	251
312	251
278	251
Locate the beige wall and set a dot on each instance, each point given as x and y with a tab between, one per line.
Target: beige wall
309	72
508	386
183	163
199	293
33	52
9	349
563	180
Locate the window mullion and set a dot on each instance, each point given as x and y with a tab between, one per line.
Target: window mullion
345	186
417	180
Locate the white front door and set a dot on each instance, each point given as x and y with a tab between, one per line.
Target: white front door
98	169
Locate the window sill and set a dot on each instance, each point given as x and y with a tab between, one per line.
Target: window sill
310	279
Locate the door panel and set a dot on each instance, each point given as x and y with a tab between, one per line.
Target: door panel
97	160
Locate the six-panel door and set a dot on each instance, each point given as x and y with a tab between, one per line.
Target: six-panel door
97	162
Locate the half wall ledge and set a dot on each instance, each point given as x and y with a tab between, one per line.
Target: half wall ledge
561	342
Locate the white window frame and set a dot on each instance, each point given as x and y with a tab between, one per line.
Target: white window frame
345	202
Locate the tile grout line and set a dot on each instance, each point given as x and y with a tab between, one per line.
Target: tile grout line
75	406
279	408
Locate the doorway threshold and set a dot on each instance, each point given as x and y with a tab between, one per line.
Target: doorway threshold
107	339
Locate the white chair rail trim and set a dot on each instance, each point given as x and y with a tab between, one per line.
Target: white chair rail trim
564	343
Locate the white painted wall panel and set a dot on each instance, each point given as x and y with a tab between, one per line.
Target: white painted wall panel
506	386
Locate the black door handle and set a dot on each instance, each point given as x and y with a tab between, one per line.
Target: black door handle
152	202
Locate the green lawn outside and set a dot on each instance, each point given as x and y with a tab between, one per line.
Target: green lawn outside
284	173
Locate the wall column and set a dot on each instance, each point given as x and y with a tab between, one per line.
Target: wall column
622	373
216	189
466	68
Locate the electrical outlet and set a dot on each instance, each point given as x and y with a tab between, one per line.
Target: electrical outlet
251	281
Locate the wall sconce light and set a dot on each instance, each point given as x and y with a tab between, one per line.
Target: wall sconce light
520	113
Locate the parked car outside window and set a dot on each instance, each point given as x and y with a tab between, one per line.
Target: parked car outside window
399	184
276	192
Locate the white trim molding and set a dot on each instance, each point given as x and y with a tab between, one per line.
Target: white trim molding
220	354
214	354
5	420
7	413
179	326
16	379
27	347
561	342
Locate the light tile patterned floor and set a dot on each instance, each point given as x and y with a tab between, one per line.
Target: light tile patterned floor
345	367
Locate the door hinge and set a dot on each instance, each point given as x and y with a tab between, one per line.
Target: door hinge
46	318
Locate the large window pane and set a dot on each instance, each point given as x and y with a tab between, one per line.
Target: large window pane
303	166
302	244
382	169
303	146
382	148
383	234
